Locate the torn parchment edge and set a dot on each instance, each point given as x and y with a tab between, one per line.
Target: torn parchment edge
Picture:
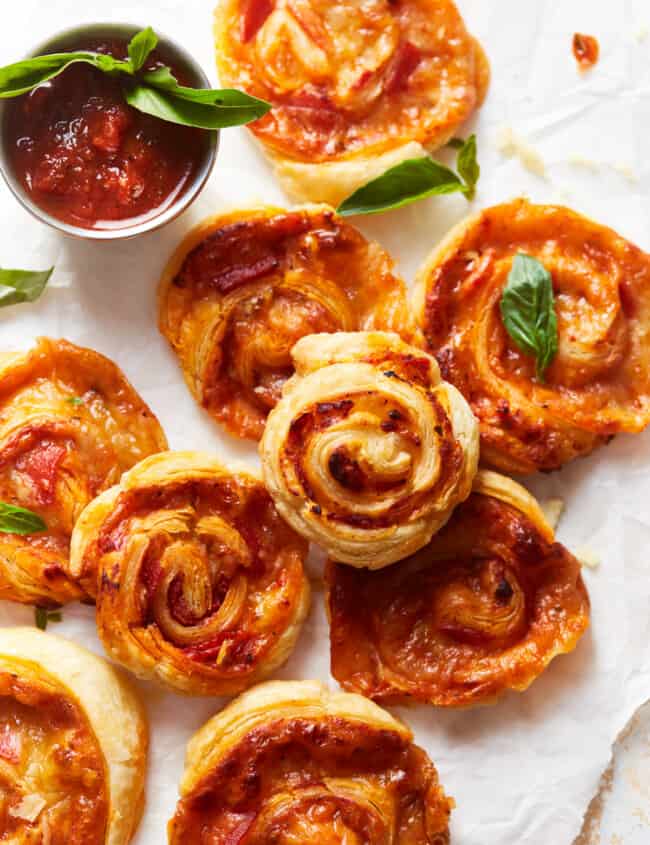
590	833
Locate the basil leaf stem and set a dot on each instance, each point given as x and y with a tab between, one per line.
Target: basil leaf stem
18	286
17	520
155	92
528	311
413	180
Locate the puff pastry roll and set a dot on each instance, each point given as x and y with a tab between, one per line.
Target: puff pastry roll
73	745
198	581
244	287
291	762
482	609
598	383
70	424
356	87
369	450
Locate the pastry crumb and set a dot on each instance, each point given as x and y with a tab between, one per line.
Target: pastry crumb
585	163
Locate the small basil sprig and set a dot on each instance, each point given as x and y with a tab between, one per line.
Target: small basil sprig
17	520
154	92
42	617
416	179
22	285
528	311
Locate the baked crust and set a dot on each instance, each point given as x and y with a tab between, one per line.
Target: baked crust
598	384
70	424
355	86
243	287
68	777
325	766
482	609
368	451
198	582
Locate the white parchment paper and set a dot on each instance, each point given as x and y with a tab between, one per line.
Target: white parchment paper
524	770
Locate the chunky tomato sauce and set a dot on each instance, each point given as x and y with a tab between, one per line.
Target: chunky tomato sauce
87	158
586	50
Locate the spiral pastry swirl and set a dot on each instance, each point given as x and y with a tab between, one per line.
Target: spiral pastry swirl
369	451
244	287
70	424
66	776
482	609
198	582
290	762
599	382
355	86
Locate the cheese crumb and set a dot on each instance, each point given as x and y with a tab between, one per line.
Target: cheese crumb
552	511
587	557
586	163
621	167
626	171
642	33
512	146
29	808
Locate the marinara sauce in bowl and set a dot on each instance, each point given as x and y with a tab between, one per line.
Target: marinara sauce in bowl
81	159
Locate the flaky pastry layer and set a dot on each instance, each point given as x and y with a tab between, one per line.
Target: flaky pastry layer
355	86
368	451
599	382
244	286
70	424
198	581
482	609
326	767
73	744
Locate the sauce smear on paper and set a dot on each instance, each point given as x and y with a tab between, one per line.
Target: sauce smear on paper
586	50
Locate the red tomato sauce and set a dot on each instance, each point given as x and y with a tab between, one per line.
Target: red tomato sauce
87	158
586	50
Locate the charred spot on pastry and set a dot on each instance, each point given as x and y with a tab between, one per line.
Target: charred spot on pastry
503	592
346	470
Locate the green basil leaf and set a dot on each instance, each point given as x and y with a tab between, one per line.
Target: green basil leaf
16	520
21	77
407	182
468	167
200	110
74	400
456	143
42	616
528	311
163	79
22	285
140	46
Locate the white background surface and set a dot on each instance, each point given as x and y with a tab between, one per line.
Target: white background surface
524	770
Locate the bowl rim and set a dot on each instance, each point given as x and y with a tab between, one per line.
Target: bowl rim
140	226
